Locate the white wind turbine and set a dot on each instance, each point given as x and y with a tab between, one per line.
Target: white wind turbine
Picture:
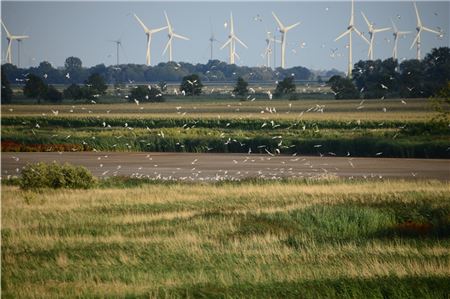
419	29
397	34
171	35
268	52
149	33
231	42
351	27
372	31
283	30
10	38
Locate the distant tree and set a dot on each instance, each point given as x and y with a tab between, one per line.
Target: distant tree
74	92
73	64
144	93
241	88
6	94
191	85
319	79
343	88
412	77
53	95
285	86
35	88
96	84
436	66
162	86
376	78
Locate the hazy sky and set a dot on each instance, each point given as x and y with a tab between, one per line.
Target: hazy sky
83	29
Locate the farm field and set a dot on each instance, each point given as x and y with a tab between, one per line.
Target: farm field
358	128
306	238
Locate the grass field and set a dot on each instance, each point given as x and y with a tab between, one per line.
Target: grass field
362	128
299	239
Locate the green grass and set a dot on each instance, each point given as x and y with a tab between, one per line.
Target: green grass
405	130
253	239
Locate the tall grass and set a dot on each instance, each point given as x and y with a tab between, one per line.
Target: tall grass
250	239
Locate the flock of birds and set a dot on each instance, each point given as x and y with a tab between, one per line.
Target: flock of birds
273	164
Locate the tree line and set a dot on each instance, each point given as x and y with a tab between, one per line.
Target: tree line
73	72
377	79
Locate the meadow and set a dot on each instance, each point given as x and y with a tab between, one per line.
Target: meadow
395	128
325	238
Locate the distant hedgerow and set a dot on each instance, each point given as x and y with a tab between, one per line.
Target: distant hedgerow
54	175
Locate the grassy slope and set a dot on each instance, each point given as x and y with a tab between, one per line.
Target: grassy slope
250	239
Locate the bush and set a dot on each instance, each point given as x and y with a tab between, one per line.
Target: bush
54	175
53	95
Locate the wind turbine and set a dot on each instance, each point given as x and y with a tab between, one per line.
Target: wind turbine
419	29
212	40
118	44
149	33
372	31
171	35
397	35
10	38
351	27
283	30
268	52
231	42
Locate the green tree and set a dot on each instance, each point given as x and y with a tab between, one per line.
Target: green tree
343	88
35	88
96	84
6	90
74	92
436	66
73	64
285	86
241	88
191	85
144	93
53	95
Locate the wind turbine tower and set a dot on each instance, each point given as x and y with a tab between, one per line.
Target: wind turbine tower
148	32
10	38
231	42
419	29
372	31
171	36
283	30
351	28
397	34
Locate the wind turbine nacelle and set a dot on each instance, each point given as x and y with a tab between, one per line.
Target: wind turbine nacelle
417	28
349	27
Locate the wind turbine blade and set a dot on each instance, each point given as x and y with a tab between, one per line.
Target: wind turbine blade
168	22
419	22
292	26
352	15
6	30
342	35
226	44
404	32
278	21
393	26
19	36
415	40
167	45
158	29
431	30
382	29
239	41
361	35
236	54
180	36
365	19
142	23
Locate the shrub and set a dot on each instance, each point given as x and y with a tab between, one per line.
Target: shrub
54	175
